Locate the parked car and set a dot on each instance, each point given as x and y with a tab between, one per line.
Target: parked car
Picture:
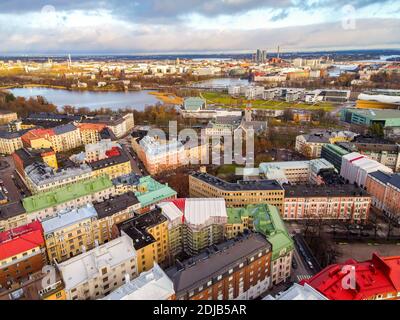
294	264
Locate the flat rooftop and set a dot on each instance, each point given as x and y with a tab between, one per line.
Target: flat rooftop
340	190
115	204
136	228
216	260
240	185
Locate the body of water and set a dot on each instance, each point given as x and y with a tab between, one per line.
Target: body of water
93	100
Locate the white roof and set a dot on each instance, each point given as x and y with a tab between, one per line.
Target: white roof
298	292
68	217
170	211
87	265
201	211
151	285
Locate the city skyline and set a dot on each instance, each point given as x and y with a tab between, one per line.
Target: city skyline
197	26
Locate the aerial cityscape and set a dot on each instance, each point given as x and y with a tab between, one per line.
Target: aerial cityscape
200	150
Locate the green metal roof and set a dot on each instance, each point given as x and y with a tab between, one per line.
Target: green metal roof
194	103
64	194
340	151
155	191
267	221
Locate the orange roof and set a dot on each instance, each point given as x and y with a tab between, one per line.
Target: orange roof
91	126
37	134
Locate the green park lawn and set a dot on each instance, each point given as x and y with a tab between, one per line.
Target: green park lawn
226	101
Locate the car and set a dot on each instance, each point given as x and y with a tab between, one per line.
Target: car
310	264
294	264
5	190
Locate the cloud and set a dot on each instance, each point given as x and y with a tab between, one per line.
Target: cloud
369	33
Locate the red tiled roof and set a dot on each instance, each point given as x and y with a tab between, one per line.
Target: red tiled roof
380	275
21	239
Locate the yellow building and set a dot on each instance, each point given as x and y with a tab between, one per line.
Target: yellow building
149	233
50	159
10	142
7	117
114	166
203	185
113	211
70	233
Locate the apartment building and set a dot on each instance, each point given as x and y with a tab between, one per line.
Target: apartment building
376	185
233	270
100	150
12	215
161	155
61	138
356	167
120	125
295	172
22	253
149	285
70	233
40	177
266	220
385	191
148	191
112	211
242	193
310	145
90	132
96	273
25	157
116	164
333	153
45	205
149	233
6	117
332	202
10	141
377	279
201	225
36	288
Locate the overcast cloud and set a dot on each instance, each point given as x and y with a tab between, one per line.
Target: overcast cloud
61	26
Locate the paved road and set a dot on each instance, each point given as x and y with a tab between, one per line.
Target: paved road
16	190
135	162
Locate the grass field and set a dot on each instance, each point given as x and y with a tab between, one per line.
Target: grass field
226	101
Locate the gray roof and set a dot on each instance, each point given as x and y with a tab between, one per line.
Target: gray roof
240	185
11	210
12	135
209	265
395	181
384	177
64	128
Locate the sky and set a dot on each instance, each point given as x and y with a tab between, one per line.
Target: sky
190	26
